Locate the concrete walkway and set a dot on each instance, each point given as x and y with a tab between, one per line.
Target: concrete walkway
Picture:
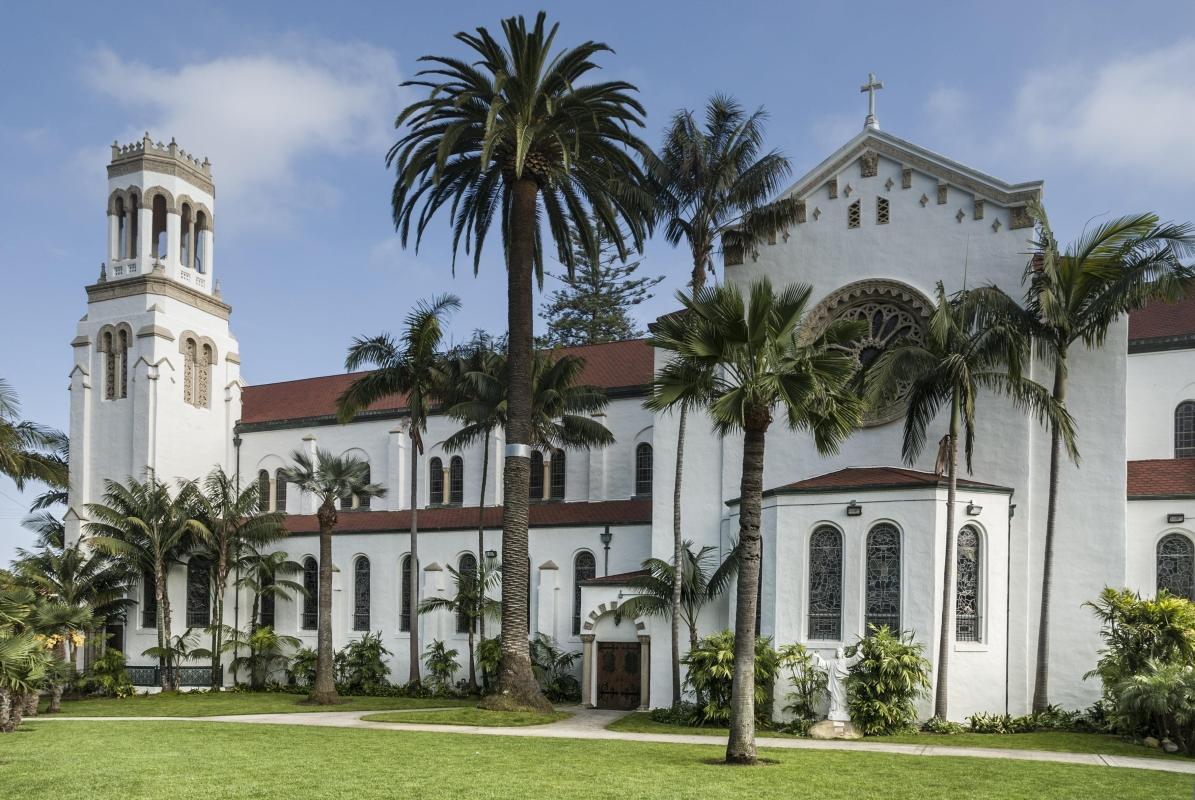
590	724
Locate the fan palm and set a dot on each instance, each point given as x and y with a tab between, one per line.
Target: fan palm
514	134
959	359
713	183
413	369
750	362
328	478
29	451
471	603
23	656
141	524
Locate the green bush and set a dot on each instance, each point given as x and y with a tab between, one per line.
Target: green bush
107	676
441	665
942	726
682	713
359	666
884	685
302	667
711	672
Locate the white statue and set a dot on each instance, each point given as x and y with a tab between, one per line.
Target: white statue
837	669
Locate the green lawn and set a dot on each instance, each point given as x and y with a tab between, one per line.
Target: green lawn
1058	741
201	761
214	704
471	716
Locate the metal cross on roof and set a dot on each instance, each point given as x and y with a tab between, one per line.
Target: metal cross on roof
871	87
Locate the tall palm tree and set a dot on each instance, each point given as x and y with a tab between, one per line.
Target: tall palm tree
752	364
471	603
29	451
143	525
412	368
513	133
1073	297
232	520
713	182
328	478
959	359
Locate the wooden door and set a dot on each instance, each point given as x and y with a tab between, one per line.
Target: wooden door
618	675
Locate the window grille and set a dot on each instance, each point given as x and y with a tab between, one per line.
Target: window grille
584	569
263	491
149	601
467	569
536	483
556	487
825	584
456	481
969	552
1176	570
1184	430
435	482
311	597
280	491
881	211
883	578
199	593
361	594
404	602
853	214
643	468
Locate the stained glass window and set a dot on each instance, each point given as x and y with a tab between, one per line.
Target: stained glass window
311	597
435	482
280	491
361	594
467	568
267	602
556	489
456	481
825	584
584	568
1176	570
404	602
536	483
643	466
263	491
883	578
149	601
969	550
1184	430
199	593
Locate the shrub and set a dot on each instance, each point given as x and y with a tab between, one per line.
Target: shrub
1161	700
884	685
107	675
302	666
554	669
682	713
942	726
711	671
807	683
441	665
359	666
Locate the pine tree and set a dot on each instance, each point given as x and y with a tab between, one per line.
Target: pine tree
595	304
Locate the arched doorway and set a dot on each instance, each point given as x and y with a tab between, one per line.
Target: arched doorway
616	660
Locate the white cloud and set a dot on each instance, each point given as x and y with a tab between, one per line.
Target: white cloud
1132	113
947	106
255	116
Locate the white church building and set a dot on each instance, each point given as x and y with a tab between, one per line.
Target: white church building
851	539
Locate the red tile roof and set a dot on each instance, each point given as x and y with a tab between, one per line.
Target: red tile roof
616	365
543	515
617	579
1163	320
874	479
1161	477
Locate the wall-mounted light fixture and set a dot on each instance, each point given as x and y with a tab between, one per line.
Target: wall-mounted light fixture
606	537
853	509
974	510
1174	519
491	553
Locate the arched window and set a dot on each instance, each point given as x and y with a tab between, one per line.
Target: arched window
363	500
149	601
1184	429
882	604
133	224
404	602
268	605
311	594
825	584
200	244
466	567
584	569
199	593
643	465
435	482
115	347
263	491
1176	566
536	484
122	368
186	236
361	594
456	481
159	229
968	623
204	374
190	370
556	487
280	485
122	222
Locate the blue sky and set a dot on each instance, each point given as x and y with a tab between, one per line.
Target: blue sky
294	104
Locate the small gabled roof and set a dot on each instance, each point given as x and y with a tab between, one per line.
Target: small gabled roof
875	479
1161	478
618	579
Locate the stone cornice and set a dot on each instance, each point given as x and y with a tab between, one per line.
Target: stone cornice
157	284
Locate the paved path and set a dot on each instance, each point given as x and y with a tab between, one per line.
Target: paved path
591	724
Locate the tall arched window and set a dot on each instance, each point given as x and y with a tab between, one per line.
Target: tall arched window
186	236
882	604
133	223
404	602
536	484
557	472
115	347
466	567
968	624
584	569
159	226
456	481
1184	429
200	244
643	465
149	601
363	500
199	593
280	485
204	374
311	594
361	594
1176	566
263	491
268	606
122	223
825	584
435	482
190	356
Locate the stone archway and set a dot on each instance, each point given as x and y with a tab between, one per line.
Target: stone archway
603	657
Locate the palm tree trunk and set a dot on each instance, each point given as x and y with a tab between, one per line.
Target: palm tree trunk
56	698
324	690
1041	684
163	620
413	640
6	725
517	687
740	747
485	474
946	635
218	617
677	555
472	664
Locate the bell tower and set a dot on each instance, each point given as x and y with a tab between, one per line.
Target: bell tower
155	387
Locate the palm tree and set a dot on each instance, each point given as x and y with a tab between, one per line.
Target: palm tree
264	575
23	657
959	359
232	520
470	603
141	524
713	183
1074	296
751	363
514	134
413	369
267	653
328	478
29	451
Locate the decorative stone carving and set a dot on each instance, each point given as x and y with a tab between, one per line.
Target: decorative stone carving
960	216
817	214
832	185
996	226
1021	218
869	164
800	211
906	178
978	212
924	200
847	191
888	184
942	189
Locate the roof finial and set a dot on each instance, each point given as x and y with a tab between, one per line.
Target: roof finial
871	87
